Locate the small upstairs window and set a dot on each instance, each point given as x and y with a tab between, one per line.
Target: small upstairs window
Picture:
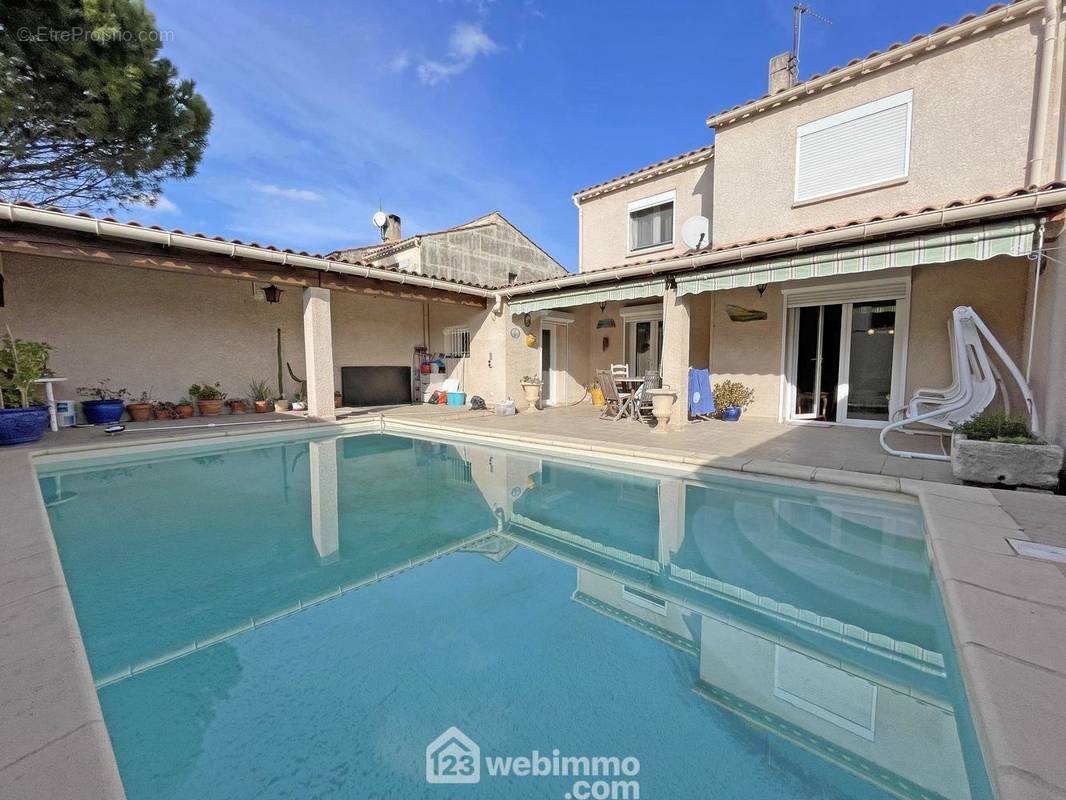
651	222
860	148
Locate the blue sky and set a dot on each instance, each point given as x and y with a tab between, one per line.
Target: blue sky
447	110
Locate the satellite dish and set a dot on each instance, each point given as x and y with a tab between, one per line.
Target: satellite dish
379	219
696	232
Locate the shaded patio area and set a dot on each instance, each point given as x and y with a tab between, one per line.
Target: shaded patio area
819	446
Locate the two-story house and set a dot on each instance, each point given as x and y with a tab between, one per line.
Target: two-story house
848	215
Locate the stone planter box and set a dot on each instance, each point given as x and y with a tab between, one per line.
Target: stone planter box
1034	465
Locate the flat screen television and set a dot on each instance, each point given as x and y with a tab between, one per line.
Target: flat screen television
375	386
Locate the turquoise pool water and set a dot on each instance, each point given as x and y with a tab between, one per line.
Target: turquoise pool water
303	618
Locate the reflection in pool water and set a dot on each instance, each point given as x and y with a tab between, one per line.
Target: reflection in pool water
301	618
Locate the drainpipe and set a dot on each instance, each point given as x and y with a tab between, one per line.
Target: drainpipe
1035	172
1038	264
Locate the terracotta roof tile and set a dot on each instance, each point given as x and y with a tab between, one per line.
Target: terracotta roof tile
707	149
894	46
984	198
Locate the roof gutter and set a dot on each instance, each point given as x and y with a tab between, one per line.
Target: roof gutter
10	212
1008	206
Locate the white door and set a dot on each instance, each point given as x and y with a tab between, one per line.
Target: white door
644	347
552	344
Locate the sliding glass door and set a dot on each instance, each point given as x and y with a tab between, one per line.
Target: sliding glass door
842	362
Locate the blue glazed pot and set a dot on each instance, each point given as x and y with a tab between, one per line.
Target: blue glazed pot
21	425
731	414
103	412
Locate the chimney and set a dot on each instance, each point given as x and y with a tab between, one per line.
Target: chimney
392	229
782	73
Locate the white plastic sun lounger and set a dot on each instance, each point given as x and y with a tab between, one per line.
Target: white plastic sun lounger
973	390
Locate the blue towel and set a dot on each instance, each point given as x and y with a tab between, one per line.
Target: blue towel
700	397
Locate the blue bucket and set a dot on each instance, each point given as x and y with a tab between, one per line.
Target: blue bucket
457	398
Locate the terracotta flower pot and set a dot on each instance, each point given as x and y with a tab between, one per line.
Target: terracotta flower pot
185	409
262	406
337	400
161	414
209	408
238	407
140	412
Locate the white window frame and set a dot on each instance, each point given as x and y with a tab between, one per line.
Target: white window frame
900	98
455	338
846	292
660	199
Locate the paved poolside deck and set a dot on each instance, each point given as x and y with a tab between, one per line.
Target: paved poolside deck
827	446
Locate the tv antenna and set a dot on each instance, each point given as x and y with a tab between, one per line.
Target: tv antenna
798	11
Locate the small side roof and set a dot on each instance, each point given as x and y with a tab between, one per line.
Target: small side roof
671	164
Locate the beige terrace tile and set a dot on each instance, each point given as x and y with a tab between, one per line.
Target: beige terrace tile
1024	578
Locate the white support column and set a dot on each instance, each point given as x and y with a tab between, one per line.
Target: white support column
675	361
325	527
318	353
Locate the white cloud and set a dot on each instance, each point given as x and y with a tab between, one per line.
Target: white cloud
160	204
400	61
304	195
466	43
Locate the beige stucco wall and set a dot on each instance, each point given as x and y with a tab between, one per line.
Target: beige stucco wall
997	290
604	220
749	352
969	136
1048	373
148	329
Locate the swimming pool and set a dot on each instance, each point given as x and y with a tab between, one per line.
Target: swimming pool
312	617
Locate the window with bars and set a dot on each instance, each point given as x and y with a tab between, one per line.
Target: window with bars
457	342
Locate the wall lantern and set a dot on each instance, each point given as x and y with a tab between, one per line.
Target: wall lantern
760	288
272	293
603	306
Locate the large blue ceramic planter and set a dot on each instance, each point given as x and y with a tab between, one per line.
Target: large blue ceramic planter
103	412
731	414
21	425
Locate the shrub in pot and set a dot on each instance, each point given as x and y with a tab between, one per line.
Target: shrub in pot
106	405
208	397
22	419
996	448
184	407
140	410
166	410
731	398
259	391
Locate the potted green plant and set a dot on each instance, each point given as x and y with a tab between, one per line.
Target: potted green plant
531	385
106	404
141	409
209	398
259	391
731	398
997	448
184	407
167	410
22	362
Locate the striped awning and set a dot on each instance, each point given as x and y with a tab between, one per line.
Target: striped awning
977	242
605	293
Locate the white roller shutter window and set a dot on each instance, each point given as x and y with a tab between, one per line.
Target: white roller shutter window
864	146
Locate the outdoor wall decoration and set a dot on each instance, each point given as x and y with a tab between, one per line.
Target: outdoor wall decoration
741	314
